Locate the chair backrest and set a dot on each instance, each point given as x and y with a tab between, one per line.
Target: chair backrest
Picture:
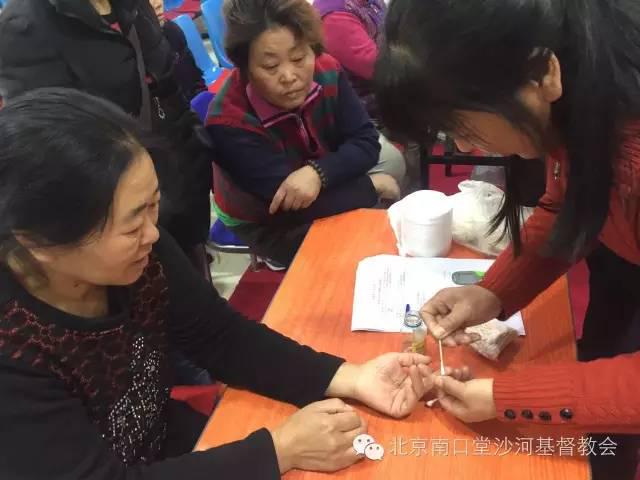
169	4
214	19
198	50
200	104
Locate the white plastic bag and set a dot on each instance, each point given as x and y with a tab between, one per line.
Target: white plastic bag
473	209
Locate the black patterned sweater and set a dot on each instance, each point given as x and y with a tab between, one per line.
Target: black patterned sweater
86	398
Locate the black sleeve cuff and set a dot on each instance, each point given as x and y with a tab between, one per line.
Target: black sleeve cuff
318	380
253	457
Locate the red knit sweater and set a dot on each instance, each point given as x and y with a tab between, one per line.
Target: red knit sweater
603	395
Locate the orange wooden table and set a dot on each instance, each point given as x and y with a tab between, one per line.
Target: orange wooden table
313	306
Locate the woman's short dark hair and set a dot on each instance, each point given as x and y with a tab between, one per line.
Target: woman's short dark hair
247	19
62	153
443	56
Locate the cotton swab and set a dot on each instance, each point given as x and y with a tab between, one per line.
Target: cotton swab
433	401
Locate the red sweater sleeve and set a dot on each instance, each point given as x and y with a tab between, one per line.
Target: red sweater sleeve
597	396
517	281
347	41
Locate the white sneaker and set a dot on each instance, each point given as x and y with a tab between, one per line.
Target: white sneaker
272	264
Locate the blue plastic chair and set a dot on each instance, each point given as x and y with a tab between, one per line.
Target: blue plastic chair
214	19
169	4
200	104
210	71
221	239
2	3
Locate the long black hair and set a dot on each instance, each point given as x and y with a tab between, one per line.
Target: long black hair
62	153
444	56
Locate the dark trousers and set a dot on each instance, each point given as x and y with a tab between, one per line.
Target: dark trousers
612	327
277	242
183	165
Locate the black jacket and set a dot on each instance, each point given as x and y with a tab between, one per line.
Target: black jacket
45	43
187	74
65	43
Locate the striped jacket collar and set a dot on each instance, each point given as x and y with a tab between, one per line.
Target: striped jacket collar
269	114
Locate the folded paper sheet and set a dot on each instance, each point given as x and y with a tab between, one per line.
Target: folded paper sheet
385	284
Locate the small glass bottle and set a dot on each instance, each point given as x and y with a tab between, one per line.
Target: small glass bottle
414	341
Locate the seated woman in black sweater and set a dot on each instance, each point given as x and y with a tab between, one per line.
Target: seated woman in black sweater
92	296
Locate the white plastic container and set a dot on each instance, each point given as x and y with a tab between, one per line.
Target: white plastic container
422	223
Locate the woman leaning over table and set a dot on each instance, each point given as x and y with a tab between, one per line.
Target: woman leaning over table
532	78
93	294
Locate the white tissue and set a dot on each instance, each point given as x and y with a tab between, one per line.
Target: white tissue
421	223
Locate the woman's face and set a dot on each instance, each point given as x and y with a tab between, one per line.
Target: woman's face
492	133
281	68
118	254
158	8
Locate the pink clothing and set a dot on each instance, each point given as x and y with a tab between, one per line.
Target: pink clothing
347	40
270	114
